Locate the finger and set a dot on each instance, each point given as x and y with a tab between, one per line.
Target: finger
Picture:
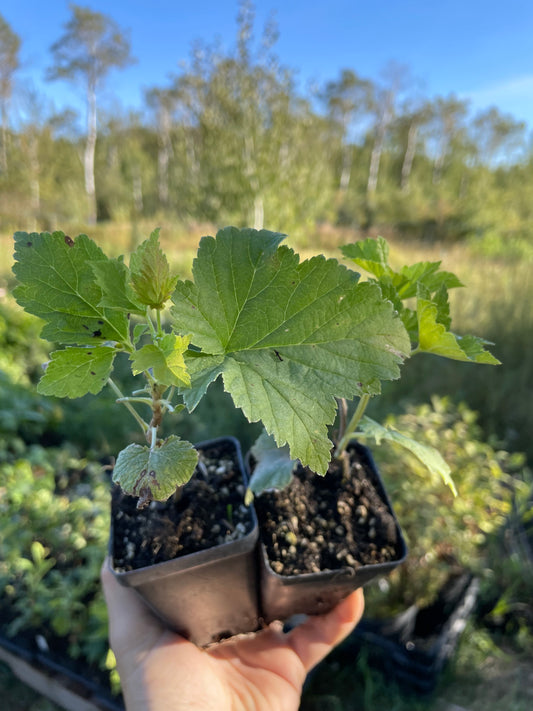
317	636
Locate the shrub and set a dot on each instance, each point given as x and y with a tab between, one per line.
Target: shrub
444	532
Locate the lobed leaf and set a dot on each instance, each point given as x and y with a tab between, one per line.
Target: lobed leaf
165	358
370	254
273	468
429	456
150	273
435	338
287	337
428	326
58	284
155	474
74	372
113	278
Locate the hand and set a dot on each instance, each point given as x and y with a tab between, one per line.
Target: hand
162	671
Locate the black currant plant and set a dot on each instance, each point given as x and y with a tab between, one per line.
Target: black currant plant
289	338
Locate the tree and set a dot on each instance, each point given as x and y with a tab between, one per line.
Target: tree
348	102
412	117
449	116
90	47
9	63
497	136
384	101
163	102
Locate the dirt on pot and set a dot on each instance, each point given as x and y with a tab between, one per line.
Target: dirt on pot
327	523
208	511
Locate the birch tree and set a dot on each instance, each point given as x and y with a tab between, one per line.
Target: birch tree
396	77
91	45
348	103
162	102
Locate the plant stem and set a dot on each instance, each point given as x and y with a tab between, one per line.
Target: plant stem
343	412
146	400
125	402
153	332
159	327
352	425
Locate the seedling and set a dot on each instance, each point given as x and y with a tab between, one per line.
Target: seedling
289	338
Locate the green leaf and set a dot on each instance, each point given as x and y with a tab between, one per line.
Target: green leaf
426	274
113	278
58	284
74	372
155	474
429	456
441	301
203	370
138	332
150	273
273	468
370	254
435	338
288	337
165	359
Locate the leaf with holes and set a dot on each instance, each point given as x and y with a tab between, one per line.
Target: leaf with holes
57	283
74	372
155	474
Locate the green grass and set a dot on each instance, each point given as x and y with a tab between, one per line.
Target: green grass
480	677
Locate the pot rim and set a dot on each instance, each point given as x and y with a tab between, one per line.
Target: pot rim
221	551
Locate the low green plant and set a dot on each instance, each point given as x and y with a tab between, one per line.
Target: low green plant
55	523
289	338
446	534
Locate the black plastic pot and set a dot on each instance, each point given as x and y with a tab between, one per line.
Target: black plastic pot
283	596
414	647
59	670
208	595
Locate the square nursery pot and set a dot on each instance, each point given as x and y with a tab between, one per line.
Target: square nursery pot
369	540
413	647
205	594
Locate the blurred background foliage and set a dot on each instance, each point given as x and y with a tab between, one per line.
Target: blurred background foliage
232	139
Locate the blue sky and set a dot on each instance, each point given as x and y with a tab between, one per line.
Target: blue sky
478	50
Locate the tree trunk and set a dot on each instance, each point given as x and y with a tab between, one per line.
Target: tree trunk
377	151
137	191
88	160
3	150
163	156
375	160
35	188
409	156
346	172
